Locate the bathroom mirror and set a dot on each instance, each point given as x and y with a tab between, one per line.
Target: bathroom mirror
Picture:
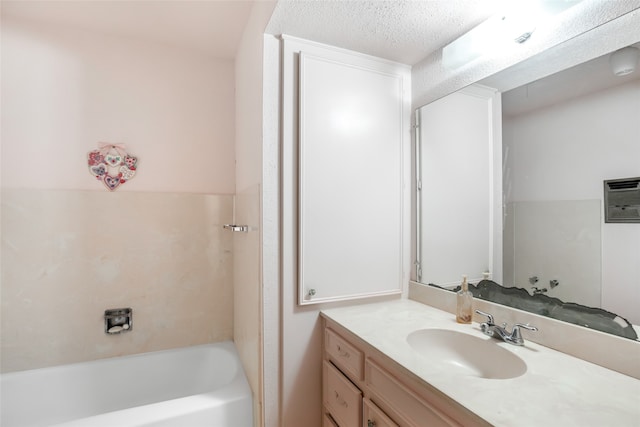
562	136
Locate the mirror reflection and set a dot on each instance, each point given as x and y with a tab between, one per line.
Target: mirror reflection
523	200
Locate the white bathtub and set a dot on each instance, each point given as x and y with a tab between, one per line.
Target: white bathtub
188	387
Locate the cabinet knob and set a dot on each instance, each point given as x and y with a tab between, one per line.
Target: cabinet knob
371	423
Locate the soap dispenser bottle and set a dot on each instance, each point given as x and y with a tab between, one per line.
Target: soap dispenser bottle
464	303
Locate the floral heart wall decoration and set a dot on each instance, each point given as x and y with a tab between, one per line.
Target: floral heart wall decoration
112	165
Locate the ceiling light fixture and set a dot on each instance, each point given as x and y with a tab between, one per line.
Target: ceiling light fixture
515	24
624	61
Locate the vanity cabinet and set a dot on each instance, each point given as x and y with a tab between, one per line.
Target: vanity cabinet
374	417
363	387
327	421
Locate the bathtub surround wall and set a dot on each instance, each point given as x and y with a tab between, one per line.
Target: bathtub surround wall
70	248
69	255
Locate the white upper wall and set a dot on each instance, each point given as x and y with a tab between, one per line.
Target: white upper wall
213	28
64	90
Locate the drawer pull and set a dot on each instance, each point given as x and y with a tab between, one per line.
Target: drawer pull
340	400
343	353
371	423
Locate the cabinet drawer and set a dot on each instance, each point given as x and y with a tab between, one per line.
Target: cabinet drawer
327	421
341	397
411	409
345	356
374	417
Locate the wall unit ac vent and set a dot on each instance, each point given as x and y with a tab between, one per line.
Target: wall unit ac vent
622	200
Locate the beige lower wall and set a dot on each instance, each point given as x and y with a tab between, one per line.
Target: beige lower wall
69	255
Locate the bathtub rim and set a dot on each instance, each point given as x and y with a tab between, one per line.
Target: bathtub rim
236	390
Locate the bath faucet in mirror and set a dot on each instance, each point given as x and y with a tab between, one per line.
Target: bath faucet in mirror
514	337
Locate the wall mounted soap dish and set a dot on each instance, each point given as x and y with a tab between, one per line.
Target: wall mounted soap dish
118	320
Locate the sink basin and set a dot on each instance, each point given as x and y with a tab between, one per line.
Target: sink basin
466	354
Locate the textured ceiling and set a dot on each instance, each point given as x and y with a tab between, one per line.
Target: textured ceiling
399	30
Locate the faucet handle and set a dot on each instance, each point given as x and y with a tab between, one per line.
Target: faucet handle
525	326
489	316
516	336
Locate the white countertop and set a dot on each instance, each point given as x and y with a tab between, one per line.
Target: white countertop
556	390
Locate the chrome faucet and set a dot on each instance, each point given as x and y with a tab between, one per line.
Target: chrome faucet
492	330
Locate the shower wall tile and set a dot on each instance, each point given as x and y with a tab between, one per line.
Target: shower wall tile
69	255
